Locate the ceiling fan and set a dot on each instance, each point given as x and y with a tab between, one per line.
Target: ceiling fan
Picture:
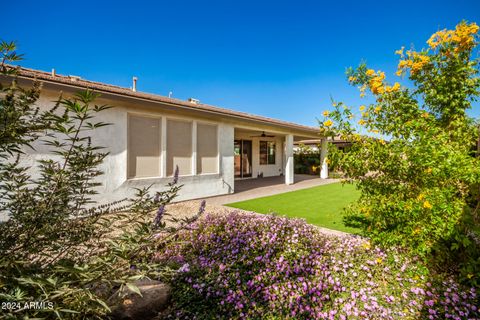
263	135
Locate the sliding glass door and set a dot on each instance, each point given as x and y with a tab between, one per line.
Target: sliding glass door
243	158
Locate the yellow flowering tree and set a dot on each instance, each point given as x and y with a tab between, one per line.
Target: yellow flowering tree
418	170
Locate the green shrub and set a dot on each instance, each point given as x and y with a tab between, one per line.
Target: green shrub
420	187
307	160
59	248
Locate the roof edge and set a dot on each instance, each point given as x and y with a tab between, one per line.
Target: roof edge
33	74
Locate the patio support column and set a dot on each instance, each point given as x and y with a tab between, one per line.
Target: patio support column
323	159
289	165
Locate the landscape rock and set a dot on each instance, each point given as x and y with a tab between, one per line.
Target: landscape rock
129	305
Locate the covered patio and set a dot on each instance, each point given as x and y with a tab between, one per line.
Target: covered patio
268	155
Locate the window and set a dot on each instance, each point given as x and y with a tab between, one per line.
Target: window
207	149
143	147
179	147
267	152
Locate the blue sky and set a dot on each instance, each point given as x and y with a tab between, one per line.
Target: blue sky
282	59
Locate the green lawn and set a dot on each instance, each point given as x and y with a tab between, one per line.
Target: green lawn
320	205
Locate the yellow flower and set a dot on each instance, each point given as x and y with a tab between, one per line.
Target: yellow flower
416	231
376	83
382	142
351	79
424	59
463	36
428	170
334	104
350	117
474	28
362	107
328	123
420	196
433	41
326	113
427	205
361	122
403	64
415	62
379	260
377	109
362	94
469	276
400	52
396	86
370	72
366	245
425	115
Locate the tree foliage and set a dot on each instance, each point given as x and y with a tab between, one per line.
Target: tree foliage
415	158
58	246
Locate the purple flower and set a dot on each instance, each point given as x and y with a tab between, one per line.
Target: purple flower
159	216
201	210
184	268
258	265
175	175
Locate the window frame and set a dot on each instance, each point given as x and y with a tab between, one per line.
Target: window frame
163	138
216	125
192	142
160	157
268	144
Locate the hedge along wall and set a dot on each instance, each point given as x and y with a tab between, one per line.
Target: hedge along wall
307	160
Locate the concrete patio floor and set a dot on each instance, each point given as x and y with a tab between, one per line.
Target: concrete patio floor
261	187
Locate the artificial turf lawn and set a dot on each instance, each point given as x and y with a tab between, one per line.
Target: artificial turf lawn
321	206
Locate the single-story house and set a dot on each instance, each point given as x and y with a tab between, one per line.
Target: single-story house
151	135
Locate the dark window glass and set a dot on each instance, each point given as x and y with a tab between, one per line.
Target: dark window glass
267	152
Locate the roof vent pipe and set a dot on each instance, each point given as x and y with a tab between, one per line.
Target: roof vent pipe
53	72
193	100
134	88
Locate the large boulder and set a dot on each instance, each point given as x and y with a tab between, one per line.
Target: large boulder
126	304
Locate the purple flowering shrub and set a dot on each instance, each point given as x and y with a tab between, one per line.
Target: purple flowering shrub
268	267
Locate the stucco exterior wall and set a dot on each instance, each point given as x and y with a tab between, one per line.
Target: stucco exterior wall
114	182
116	185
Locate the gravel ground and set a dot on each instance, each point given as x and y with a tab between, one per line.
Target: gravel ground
189	208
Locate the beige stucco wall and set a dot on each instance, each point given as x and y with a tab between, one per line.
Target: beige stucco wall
114	182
